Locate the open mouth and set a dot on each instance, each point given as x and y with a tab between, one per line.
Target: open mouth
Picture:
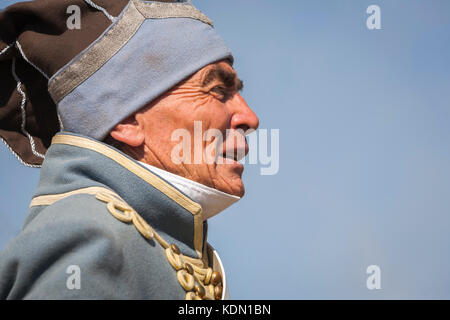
234	150
236	154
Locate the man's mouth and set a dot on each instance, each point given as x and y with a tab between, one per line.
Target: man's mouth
235	154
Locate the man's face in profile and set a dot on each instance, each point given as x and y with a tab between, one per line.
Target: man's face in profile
212	116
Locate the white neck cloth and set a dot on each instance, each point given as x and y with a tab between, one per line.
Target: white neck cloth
212	200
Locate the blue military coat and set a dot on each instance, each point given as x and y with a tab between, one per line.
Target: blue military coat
101	226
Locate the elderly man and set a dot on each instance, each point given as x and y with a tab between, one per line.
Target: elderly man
115	215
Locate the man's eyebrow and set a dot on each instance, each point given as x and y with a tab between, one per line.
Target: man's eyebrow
229	79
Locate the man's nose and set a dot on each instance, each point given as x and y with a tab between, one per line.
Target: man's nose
243	117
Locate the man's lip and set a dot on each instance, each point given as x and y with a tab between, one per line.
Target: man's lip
241	153
231	162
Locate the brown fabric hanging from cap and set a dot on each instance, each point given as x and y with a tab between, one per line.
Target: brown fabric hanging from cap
40	28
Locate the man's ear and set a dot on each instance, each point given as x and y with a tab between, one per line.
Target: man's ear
129	131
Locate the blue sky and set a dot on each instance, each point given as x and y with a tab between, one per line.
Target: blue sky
364	173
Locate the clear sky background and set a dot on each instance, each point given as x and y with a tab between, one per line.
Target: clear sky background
364	173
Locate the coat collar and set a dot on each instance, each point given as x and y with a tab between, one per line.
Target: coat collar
212	200
74	162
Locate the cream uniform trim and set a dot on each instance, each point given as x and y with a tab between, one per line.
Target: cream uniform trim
115	205
194	208
47	200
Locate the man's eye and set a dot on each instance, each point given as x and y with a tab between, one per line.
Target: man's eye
221	92
219	89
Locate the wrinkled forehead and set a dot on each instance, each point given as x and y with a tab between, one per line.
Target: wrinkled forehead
215	69
221	72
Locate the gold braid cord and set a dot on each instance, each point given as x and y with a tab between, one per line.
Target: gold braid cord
199	282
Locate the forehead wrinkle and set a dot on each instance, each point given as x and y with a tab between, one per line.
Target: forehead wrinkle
209	76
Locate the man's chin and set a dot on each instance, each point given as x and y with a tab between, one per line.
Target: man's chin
232	177
235	189
241	192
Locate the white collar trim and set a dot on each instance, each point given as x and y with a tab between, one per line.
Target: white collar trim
212	200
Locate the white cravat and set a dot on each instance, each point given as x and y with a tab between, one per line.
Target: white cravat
212	200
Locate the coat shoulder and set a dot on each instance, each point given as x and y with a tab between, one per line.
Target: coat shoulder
79	234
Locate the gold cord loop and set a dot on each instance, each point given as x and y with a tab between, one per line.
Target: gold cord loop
200	283
123	212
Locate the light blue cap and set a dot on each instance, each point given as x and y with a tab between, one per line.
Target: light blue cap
148	49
